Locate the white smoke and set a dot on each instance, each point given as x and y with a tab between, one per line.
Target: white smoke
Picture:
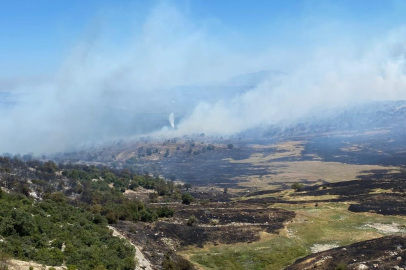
170	50
327	81
71	108
172	120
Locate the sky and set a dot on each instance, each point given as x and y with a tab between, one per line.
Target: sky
82	72
35	36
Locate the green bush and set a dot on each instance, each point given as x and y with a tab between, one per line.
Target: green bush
187	198
341	266
165	211
30	228
297	186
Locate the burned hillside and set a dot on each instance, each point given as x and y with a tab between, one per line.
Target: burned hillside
382	253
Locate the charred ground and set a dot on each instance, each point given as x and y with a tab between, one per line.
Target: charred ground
382	253
245	215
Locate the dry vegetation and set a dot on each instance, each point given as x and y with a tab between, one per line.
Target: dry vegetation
23	265
290	171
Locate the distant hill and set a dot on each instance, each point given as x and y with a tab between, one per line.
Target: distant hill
253	79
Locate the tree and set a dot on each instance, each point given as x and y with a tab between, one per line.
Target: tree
58	197
230	146
187	186
49	167
162	187
187	198
111	217
95	208
23	222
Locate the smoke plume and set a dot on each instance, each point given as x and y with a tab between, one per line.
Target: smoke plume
175	64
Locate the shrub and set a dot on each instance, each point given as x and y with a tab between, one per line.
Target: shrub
210	147
131	161
341	266
165	212
214	222
111	218
153	197
192	221
187	198
58	197
148	215
297	186
96	208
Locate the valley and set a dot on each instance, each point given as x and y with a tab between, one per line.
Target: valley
254	203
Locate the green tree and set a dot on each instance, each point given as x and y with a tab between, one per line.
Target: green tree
187	198
187	186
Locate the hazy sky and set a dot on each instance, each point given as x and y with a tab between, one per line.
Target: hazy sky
35	36
88	71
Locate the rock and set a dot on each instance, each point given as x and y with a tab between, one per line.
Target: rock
399	258
362	267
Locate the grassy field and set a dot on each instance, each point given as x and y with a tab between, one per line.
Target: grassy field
314	228
292	171
289	172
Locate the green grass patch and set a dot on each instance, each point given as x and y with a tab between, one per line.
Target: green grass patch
274	254
329	223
